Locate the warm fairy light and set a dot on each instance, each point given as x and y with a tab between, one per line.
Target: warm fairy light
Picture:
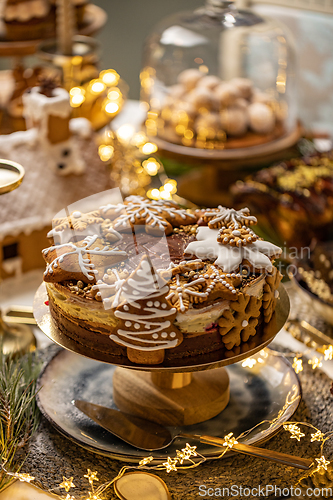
125	133
114	94
249	363
91	476
170	186
295	431
109	77
139	139
111	108
67	484
154	194
229	440
148	148
77	96
76	91
322	463
105	152
170	464
151	166
315	362
328	353
318	436
97	87
165	195
297	365
24	478
146	461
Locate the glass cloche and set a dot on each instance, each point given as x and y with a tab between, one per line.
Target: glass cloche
220	79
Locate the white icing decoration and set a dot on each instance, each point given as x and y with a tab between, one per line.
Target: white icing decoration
230	215
186	286
107	291
229	258
276	294
151	319
65	235
76	214
138	207
85	265
244	323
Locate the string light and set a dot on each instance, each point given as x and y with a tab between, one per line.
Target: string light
295	431
105	152
322	463
146	461
84	99
91	476
315	362
67	484
24	478
230	440
249	363
318	436
170	464
297	365
328	353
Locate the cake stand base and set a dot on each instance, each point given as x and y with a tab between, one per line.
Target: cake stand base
172	398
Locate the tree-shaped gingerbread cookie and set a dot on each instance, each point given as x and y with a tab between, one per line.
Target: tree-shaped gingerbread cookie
145	317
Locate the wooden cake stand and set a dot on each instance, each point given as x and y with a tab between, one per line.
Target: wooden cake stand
177	392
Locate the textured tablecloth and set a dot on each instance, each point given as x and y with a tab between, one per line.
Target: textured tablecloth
52	456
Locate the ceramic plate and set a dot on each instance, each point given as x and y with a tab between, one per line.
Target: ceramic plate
270	390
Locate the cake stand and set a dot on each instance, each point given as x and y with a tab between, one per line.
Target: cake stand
191	392
15	338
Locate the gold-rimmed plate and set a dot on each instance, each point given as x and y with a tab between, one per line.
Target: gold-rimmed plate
262	399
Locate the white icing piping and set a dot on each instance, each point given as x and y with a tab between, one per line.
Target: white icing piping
85	265
230	215
229	258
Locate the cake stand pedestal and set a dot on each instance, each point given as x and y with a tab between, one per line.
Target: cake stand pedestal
172	398
15	338
182	391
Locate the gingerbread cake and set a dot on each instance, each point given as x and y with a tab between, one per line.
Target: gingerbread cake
149	280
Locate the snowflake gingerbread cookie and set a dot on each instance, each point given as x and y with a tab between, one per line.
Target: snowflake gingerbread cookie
157	216
84	260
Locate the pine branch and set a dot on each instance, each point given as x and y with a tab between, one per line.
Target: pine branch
19	414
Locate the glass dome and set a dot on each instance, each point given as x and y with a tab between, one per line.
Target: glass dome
219	78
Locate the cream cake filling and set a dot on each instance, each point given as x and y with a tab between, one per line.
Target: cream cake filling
193	321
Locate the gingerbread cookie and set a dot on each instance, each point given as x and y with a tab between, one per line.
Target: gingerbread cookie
271	293
222	216
84	260
145	317
156	216
237	237
183	292
76	224
239	323
220	284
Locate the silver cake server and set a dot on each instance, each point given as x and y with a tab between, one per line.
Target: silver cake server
150	436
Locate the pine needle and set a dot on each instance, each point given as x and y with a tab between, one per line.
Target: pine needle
19	415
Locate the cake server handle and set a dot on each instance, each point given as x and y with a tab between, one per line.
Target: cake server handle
274	456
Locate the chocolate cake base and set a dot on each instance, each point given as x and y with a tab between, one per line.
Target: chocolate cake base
83	333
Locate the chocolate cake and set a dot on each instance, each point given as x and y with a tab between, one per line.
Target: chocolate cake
295	197
150	280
